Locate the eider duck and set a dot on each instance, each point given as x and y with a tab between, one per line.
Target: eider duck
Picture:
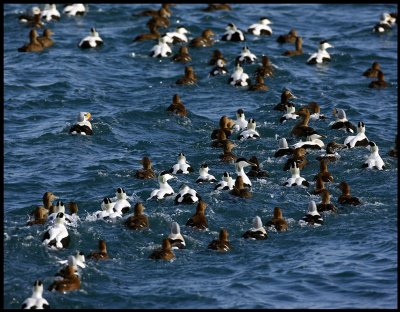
302	128
83	126
41	213
325	204
50	13
59	208
57	235
240	190
393	151
75	9
182	166
36	301
187	195
161	49
204	176
313	217
73	213
345	198
163	253
121	204
277	221
70	282
220	140
250	132
290	113
297	51
222	243
153	13
29	17
246	56
226	124
240	122
315	111
385	23
182	56
228	155
290	37
285	97
175	237
217	7
259	85
147	172
36	22
372	72
260	28
100	254
199	220
138	220
319	185
239	165
205	40
107	211
34	45
160	19
165	189
295	179
79	259
219	68
255	170
45	40
330	152
321	56
341	121
283	148
91	41
215	56
177	107
323	173
189	78
357	140
380	83
63	273
239	77
266	69
299	157
257	232
226	183
232	33
179	35
374	160
152	35
312	142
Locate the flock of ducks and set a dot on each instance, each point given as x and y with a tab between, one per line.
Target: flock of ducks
57	221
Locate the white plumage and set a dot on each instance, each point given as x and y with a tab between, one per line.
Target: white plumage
165	189
261	28
295	179
246	56
187	195
239	165
239	77
360	139
56	232
232	33
50	12
36	301
74	9
204	176
179	35
240	122
181	166
91	41
312	141
161	49
227	183
250	132
374	160
321	55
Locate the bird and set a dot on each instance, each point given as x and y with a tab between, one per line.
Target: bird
100	254
182	55
313	217
57	235
215	56
228	155
222	243
240	122
345	198
297	51
45	40
160	19
40	214
34	45
179	35
260	28
198	220
182	166
83	126
227	183
257	232
220	139
315	111
91	41
240	190
239	165
175	238
259	85
321	56
177	107
323	173
75	9
341	121
189	78
360	139
204	176
139	220
50	13
299	157
29	17
290	37
325	204
319	185
283	148
330	152
147	172
239	77
217	7
385	23
374	160
296	179
152	35
226	124
219	68
165	189
290	113
380	83
285	97
246	56
186	195
312	142
250	132
277	221
163	253
36	301
266	69
121	203
302	128
255	170
150	12
232	33
70	282
161	49
205	40
372	72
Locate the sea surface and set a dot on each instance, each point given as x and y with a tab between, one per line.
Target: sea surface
351	261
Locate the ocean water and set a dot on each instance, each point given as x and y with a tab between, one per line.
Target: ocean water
349	262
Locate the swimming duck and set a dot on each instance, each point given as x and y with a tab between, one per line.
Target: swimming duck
240	122
91	41
285	97
139	220
100	254
226	124
372	72
297	51
323	173
250	132
161	49
393	151
45	40
312	142
63	273
36	22
150	12
189	78
152	35
283	148
182	166
205	40
345	198
259	85
147	172
40	214
315	111
187	195
220	140
79	259
380	83
302	128
58	208
29	17
255	170
232	33
341	121
217	7
226	183
374	160
179	35
384	24
299	157
239	165
108	211
219	68
163	253
246	56
290	113
165	189
70	282
175	237
321	56
199	220
313	217
215	56
331	153
121	204
296	179
75	9
266	69
360	139
182	56
204	176
239	189
83	126
228	155
222	243
290	37
50	13
57	235
34	45
239	77
277	221
325	204
257	232
160	19
319	185
36	301
177	107
261	28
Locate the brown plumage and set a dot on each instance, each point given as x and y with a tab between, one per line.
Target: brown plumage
259	85
299	48
239	189
41	213
199	220
153	13
217	54
285	97
189	77
45	39
36	22
34	45
70	282
302	128
101	253
205	40
163	253
290	37
393	151
298	156
226	124
324	174
227	155
345	198
325	204
373	71
221	138
217	7
138	221
177	107
380	83
153	35
160	20
182	56
278	221
147	172
319	185
222	243
255	170
266	69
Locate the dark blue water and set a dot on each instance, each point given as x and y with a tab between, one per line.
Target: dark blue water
349	262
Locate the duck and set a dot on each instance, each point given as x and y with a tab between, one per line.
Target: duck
182	56
163	253
266	69
179	35
323	173
239	189
290	113
50	13
36	301
121	204
204	176
290	37
296	179
321	56
227	183
384	24
175	238
298	50
277	221
108	212
345	198
325	204
215	56
250	132
182	166
160	19
198	220
246	56
152	35
228	155
219	68
299	157
255	170
393	151
380	83
92	41
63	273
240	164
341	121
29	17
257	232
313	217
319	185
285	97
189	78
312	141
330	152
302	128
259	85
45	40
150	12
177	107
187	195
58	208
315	111
360	139
226	124
372	72
79	259
283	148
374	160
239	77
217	7
70	282
147	172
161	49
138	220
232	33
205	40
165	189
36	22
57	235
100	254
83	126
222	243
40	214
220	139
34	45
240	122
260	28
75	9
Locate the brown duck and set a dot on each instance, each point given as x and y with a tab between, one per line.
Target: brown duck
297	51
222	243
239	189
345	198
259	85
177	107
373	71
198	220
278	221
325	204
189	77
380	83
182	56
34	45
227	155
266	69
101	253
205	40
70	282
255	170
324	174
163	253
147	172
290	37
138	221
